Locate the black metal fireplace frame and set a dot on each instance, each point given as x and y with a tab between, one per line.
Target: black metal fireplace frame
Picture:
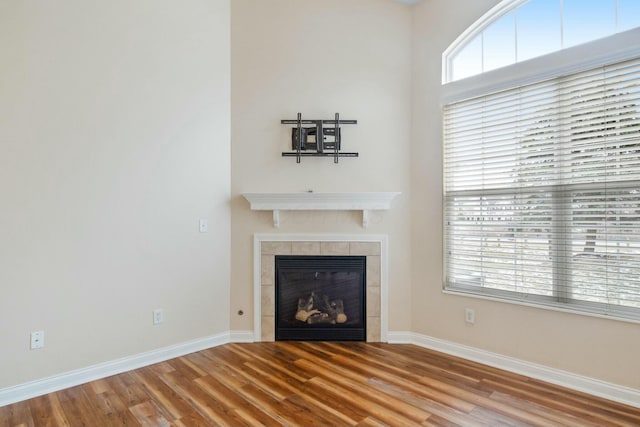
322	332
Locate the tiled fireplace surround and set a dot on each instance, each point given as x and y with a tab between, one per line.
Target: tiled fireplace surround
266	247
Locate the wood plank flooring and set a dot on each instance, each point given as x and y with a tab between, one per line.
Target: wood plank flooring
317	384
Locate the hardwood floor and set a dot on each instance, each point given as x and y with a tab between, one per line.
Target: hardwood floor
317	384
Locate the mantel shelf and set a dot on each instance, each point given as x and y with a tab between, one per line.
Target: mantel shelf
310	201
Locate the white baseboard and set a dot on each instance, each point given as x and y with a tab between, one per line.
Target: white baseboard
102	370
242	336
400	337
617	393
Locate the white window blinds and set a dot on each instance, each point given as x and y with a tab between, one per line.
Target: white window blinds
542	192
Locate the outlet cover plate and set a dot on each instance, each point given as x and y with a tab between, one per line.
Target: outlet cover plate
158	316
470	315
37	339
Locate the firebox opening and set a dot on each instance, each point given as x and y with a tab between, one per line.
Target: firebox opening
320	298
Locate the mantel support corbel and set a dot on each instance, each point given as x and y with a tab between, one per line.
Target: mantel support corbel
365	218
276	218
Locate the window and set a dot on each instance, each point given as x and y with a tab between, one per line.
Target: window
515	31
542	181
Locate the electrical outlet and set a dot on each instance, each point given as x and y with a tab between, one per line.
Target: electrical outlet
470	315
203	225
37	339
158	316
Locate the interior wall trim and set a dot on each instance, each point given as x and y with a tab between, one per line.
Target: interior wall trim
617	393
76	377
242	337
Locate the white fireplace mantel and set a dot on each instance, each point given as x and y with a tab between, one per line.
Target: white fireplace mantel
311	201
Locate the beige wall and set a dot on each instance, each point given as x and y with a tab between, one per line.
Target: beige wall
319	57
594	347
114	141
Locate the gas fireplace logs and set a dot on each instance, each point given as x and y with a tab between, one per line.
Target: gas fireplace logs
318	308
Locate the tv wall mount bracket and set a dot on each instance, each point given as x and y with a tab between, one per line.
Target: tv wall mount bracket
322	139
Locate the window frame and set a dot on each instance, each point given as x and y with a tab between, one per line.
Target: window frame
495	13
616	48
476	30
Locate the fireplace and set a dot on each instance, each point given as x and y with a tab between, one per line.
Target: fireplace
320	298
269	246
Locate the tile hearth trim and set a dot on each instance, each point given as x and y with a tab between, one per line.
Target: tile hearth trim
306	244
